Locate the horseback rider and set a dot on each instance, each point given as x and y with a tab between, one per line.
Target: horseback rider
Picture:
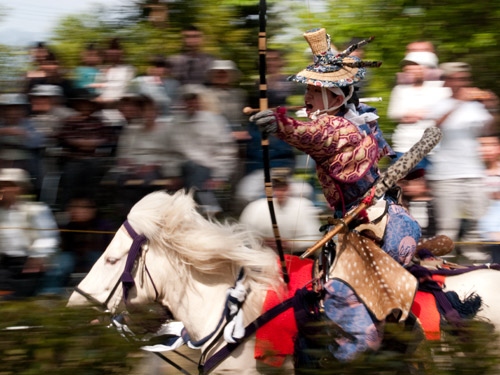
344	139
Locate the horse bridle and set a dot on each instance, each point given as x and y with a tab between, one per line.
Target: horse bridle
126	278
205	364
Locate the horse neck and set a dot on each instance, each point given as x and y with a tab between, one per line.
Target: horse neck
199	302
203	303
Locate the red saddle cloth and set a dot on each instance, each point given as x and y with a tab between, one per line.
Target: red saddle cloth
275	340
425	309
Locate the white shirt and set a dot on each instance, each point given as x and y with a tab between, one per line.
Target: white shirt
18	241
297	220
116	80
457	155
408	99
205	139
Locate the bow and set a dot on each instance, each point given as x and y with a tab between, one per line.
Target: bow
263	105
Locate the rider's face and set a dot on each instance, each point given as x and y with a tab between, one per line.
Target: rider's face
314	100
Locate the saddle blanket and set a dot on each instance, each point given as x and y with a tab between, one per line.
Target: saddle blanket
425	309
275	340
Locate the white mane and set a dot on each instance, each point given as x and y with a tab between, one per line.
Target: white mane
174	228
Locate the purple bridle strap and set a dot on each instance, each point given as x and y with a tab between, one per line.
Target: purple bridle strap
135	250
250	329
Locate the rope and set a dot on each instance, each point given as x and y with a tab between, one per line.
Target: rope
63	230
284	239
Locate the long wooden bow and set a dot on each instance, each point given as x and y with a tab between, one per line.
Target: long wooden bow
263	105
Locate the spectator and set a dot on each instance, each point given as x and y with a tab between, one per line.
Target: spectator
297	217
81	244
204	143
38	54
457	173
86	143
24	254
142	158
433	73
52	76
192	64
410	104
48	114
115	76
143	143
279	89
489	224
417	199
20	143
230	99
47	101
282	155
86	74
159	85
223	79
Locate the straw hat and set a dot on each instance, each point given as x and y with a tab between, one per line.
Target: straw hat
331	69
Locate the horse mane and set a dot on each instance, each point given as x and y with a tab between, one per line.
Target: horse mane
174	226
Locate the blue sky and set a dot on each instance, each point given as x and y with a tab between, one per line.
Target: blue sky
27	21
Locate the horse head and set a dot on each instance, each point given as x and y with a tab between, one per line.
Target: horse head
167	253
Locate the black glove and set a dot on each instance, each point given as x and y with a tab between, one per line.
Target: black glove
266	121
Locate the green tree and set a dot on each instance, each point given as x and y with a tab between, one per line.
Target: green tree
460	31
13	62
230	28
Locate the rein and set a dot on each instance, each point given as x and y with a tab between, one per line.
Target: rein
250	329
230	325
94	301
128	282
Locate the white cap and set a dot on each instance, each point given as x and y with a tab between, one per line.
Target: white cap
16	175
428	59
46	90
454	67
223	65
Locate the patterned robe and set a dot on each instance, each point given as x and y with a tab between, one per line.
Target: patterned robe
346	158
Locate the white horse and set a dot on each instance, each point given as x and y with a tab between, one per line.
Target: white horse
484	282
188	263
191	262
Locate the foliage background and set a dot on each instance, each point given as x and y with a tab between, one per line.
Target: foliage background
52	339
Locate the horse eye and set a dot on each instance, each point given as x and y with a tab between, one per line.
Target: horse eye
111	260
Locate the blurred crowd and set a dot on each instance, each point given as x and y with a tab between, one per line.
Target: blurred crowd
78	148
454	190
83	145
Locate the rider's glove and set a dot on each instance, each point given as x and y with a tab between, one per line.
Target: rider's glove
266	121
